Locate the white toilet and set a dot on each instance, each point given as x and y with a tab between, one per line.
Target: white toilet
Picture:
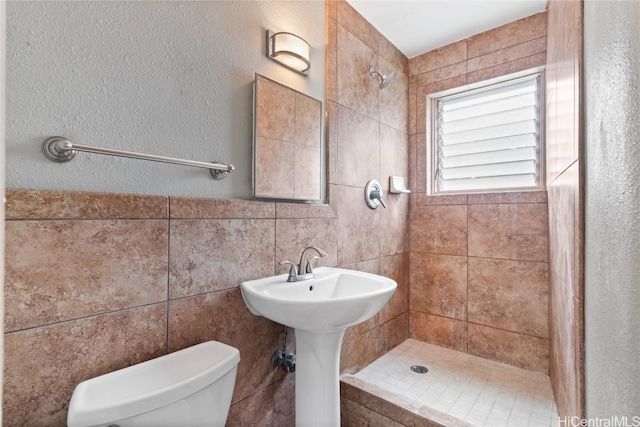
191	387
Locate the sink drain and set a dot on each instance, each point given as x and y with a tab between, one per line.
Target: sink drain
419	369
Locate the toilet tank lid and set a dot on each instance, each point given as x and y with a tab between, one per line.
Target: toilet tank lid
149	385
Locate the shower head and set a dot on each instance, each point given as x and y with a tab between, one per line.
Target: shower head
384	79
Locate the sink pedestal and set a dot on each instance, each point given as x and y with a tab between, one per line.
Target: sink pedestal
318	378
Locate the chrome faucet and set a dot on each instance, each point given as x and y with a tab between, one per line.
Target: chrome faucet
304	270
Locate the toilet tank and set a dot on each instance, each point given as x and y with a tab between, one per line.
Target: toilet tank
191	387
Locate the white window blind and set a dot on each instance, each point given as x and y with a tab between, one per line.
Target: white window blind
489	138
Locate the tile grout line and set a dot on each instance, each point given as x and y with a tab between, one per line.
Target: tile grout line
467	312
478	324
168	270
482	257
84	317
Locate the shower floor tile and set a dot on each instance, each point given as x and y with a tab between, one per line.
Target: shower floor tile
477	391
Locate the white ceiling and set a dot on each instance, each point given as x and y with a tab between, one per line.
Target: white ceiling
419	26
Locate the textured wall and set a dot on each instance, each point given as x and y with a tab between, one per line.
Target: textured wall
612	258
479	263
3	33
166	78
565	159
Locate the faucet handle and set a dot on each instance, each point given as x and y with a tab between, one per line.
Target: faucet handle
309	267
293	271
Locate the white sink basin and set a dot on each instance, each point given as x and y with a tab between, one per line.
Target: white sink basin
320	310
332	301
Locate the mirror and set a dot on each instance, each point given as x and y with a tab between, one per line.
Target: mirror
287	143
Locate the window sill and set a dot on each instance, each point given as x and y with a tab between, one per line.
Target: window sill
536	195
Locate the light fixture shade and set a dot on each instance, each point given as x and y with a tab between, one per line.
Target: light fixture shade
289	50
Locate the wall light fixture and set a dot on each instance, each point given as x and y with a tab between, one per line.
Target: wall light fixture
289	50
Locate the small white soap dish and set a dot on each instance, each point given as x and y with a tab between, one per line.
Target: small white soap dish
396	185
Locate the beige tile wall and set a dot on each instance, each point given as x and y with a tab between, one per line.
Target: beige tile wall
479	275
367	131
479	263
97	282
565	184
87	295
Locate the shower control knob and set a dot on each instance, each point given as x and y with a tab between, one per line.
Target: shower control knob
373	195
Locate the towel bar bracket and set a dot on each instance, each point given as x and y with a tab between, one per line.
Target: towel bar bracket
219	173
54	149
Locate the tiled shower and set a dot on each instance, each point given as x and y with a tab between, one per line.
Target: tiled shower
160	273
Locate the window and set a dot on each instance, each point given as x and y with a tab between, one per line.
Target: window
487	137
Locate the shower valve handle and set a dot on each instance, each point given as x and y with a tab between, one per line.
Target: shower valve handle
377	194
373	195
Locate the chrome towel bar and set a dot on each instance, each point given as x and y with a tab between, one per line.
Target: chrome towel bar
59	149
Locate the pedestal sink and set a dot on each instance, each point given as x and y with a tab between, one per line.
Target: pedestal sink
320	310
